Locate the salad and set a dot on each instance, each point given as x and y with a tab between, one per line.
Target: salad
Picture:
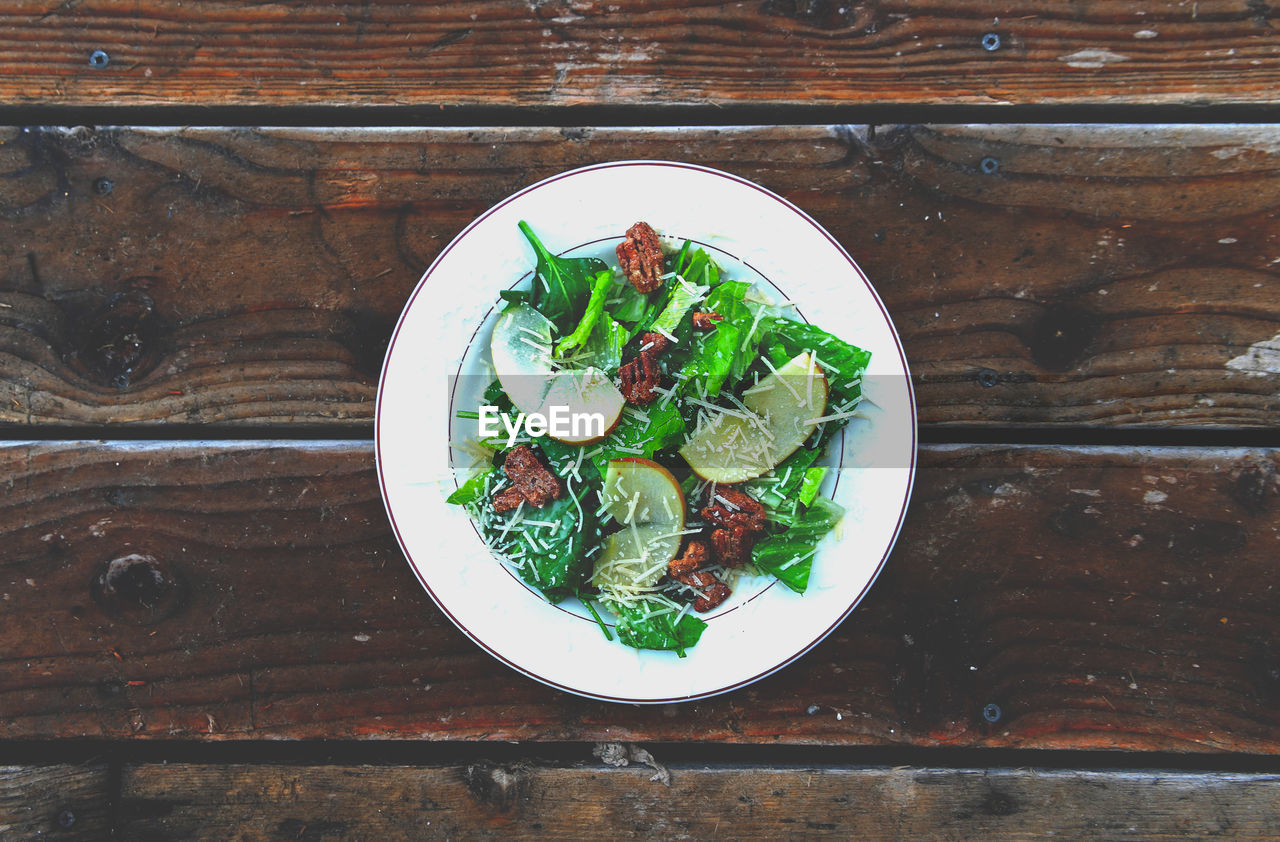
652	435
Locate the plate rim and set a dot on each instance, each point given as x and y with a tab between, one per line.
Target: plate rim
902	357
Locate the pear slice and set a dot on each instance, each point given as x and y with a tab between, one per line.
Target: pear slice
645	498
735	446
521	352
581	407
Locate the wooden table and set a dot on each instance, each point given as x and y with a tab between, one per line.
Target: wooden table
1071	210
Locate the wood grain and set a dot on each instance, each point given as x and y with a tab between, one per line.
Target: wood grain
1099	598
1039	275
60	802
578	52
528	801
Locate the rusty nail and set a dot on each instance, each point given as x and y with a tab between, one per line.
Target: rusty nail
991	42
987	377
103	186
992	713
990	166
66	819
98	59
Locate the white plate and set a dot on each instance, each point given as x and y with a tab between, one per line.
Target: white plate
755	235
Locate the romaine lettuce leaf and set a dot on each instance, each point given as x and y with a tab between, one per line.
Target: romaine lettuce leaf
595	307
720	357
789	554
843	363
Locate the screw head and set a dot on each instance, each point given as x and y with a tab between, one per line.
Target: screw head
98	59
103	186
988	378
66	819
992	713
991	42
990	166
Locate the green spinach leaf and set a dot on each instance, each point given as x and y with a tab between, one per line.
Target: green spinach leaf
640	631
635	436
552	559
563	284
471	491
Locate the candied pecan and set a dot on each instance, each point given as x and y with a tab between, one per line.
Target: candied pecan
695	555
639	377
712	590
642	374
508	499
640	256
733	545
706	321
535	483
654	344
731	507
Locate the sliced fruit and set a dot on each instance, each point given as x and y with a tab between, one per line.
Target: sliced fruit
521	352
647	501
733	445
581	407
638	490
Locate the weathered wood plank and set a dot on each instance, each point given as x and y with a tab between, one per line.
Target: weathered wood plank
1095	276
58	802
486	801
1100	598
671	53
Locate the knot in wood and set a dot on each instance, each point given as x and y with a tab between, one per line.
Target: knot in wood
139	586
118	341
1062	336
828	15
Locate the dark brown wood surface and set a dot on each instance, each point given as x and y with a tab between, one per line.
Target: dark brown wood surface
62	802
580	52
528	801
1099	597
1040	275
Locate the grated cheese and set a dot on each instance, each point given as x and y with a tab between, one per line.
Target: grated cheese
838	416
780	378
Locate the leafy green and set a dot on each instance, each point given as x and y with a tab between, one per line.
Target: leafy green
812	482
639	631
779	491
555	563
696	266
471	491
842	362
722	356
604	348
595	307
683	297
595	615
563	284
789	554
633	306
663	430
